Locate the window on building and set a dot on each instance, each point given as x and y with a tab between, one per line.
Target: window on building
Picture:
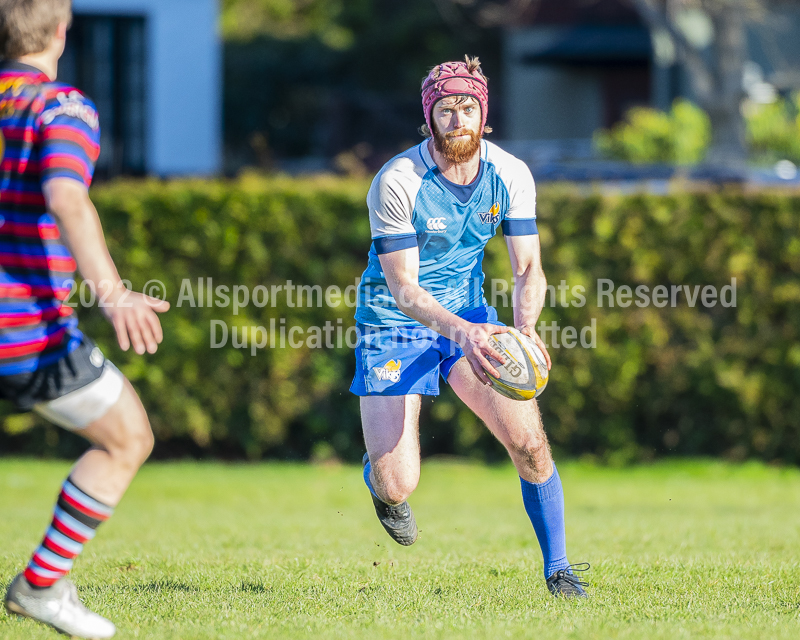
105	58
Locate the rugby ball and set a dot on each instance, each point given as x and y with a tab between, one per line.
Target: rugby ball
524	374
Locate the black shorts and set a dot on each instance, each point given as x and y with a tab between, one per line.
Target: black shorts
74	371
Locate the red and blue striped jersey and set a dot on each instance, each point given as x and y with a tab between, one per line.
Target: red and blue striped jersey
49	130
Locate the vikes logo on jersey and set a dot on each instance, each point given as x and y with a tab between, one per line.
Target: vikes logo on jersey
390	371
436	225
493	217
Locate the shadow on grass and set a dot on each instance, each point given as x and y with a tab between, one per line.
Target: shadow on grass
158	586
254	587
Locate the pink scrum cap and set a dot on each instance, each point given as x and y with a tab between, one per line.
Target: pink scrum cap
454	79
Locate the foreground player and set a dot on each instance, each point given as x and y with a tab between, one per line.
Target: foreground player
422	312
47	225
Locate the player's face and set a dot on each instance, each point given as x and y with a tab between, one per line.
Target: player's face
456	125
457	115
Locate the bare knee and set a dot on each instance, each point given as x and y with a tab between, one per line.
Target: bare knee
143	442
531	454
124	432
393	486
132	443
397	491
139	440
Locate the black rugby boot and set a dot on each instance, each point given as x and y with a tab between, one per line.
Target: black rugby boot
397	519
566	584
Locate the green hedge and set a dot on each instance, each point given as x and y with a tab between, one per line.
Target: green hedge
686	380
683	134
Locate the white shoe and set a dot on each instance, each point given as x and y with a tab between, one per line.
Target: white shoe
59	607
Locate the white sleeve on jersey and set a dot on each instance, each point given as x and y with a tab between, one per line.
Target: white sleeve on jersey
391	198
522	192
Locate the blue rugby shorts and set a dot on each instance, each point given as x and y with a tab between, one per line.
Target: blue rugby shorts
405	360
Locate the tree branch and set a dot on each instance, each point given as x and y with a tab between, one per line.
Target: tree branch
700	73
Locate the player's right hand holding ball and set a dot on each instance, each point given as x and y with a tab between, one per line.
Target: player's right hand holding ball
474	342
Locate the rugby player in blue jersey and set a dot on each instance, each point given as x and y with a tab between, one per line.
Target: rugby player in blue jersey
422	313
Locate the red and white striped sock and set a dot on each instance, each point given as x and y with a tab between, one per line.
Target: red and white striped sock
75	522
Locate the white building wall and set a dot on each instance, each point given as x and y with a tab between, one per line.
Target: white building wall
184	84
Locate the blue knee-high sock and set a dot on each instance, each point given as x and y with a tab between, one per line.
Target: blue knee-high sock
544	503
367	469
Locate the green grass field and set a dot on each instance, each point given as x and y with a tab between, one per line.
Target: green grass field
678	550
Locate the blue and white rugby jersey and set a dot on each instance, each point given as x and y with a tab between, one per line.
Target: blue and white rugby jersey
412	205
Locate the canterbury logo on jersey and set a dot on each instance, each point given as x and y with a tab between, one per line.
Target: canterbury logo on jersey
492	217
437	225
390	371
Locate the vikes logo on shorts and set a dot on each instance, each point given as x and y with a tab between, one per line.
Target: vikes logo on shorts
390	371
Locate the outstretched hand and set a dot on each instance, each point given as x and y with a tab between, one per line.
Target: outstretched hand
135	319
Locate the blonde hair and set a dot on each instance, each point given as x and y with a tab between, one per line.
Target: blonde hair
28	26
473	65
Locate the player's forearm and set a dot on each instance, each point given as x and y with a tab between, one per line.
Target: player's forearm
82	233
419	304
529	296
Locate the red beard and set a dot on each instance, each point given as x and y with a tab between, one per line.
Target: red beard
457	151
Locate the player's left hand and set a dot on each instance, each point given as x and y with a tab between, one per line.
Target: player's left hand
135	319
528	331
